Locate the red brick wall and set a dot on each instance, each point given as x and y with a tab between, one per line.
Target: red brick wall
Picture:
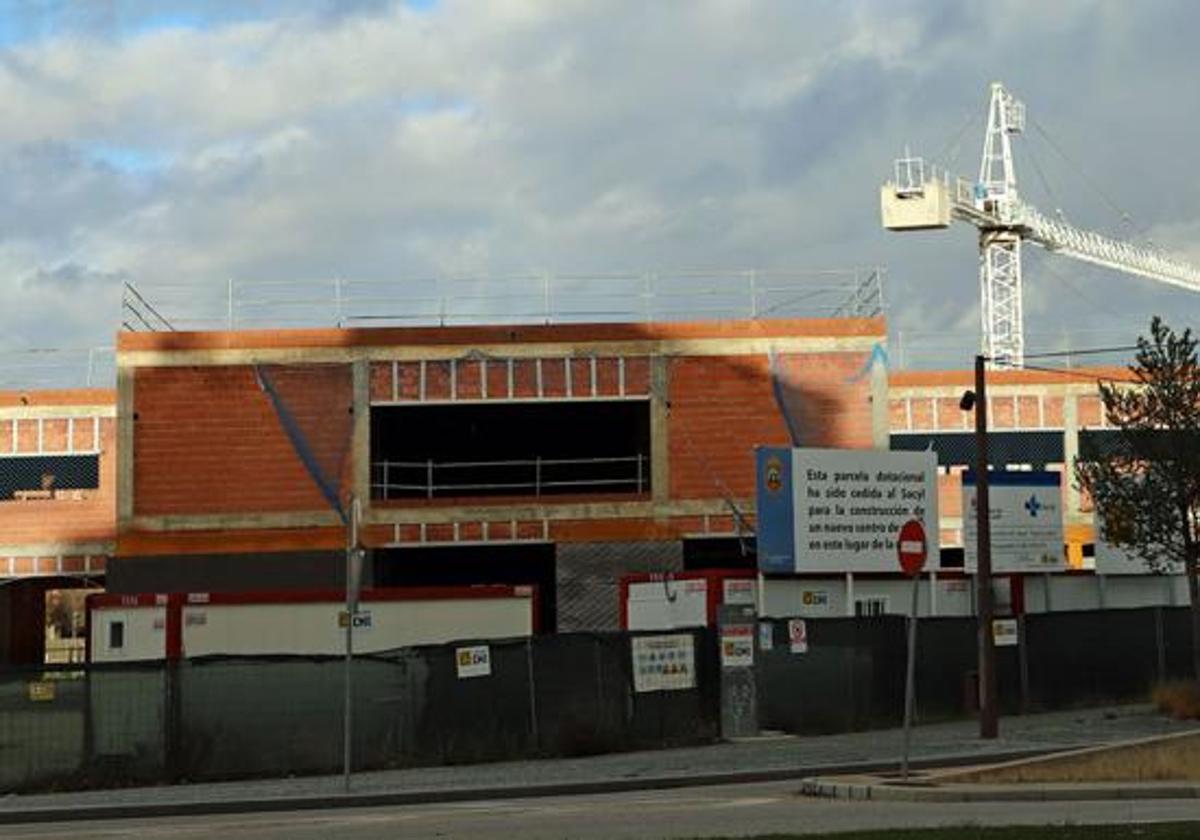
207	440
722	407
403	379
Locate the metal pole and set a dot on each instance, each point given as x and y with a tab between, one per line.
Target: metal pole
910	678
351	607
988	716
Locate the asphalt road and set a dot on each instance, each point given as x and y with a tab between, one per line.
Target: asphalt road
729	810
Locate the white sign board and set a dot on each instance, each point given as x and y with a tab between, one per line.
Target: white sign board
1004	632
474	661
1026	522
667	604
737	646
850	505
798	635
663	663
739	591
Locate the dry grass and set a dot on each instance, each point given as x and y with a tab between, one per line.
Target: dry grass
1180	700
1165	758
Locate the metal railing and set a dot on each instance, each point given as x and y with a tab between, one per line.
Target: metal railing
533	298
40	368
431	479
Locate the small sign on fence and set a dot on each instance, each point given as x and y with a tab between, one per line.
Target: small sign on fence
474	661
737	646
362	620
41	691
663	663
739	591
798	635
766	635
1004	632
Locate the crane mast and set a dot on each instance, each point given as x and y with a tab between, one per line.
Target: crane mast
919	200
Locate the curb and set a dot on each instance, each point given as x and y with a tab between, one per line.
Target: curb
884	792
270	804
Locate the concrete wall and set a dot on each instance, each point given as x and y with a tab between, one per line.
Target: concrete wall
954	595
301	623
269	629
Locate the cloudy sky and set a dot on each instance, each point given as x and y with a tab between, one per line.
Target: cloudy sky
266	139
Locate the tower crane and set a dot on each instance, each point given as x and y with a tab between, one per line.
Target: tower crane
917	199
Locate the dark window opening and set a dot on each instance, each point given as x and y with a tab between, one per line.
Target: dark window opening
510	449
116	635
510	565
703	553
1089	550
47	476
952	558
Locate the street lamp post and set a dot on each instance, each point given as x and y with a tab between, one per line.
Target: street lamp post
989	724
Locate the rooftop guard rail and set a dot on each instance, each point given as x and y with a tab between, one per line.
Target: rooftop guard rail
532	298
43	368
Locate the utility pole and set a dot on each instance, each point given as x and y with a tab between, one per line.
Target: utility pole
989	724
353	570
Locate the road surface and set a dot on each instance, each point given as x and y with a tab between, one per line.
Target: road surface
729	810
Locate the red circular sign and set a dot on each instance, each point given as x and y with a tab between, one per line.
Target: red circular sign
910	546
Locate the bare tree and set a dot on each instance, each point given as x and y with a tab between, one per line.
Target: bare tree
1146	483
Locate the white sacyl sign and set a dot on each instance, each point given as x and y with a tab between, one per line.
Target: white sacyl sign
1026	521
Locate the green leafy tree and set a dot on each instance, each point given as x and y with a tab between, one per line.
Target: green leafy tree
1146	484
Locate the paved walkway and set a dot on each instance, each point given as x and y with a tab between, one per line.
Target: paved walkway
758	759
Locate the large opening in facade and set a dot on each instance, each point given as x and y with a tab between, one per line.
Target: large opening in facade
28	477
531	564
510	449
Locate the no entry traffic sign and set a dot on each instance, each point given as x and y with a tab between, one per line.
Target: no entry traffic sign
910	546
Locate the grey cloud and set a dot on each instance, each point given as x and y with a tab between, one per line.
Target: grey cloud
507	137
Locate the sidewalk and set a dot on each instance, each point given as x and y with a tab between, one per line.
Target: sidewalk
758	759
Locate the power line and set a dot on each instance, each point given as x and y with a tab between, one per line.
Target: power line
1091	351
1092	183
1070	373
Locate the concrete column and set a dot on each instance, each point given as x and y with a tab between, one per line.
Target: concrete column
660	389
361	434
880	433
124	443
